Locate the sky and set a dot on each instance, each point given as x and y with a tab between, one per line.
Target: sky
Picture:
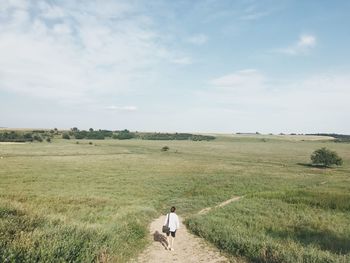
218	66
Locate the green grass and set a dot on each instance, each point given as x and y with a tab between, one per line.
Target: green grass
78	202
269	230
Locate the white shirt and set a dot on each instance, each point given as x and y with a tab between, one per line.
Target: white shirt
173	222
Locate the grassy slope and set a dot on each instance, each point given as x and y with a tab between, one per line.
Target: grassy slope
81	202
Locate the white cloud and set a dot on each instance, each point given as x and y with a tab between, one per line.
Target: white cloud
254	101
306	41
182	60
255	10
51	11
62	28
199	39
254	15
122	108
241	81
78	53
253	84
302	46
20	4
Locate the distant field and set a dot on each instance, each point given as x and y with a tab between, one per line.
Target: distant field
64	201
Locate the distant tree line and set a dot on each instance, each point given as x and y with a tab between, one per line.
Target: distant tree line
97	134
176	136
28	136
91	134
126	134
338	137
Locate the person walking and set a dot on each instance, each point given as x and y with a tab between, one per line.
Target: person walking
172	220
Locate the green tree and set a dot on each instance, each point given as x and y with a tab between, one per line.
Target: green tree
124	135
325	157
37	138
65	136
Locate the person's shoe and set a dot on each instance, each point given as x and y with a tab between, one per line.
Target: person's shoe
171	249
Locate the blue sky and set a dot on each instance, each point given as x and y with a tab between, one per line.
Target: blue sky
195	66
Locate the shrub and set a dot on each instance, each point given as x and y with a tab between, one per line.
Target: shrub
74	129
28	137
124	135
48	139
65	136
165	148
325	157
13	136
37	138
79	135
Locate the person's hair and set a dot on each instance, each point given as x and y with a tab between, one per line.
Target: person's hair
172	209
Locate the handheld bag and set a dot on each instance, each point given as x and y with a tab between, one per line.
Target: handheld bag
166	228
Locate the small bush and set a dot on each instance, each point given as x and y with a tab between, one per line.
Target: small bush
37	138
65	136
165	149
325	157
48	139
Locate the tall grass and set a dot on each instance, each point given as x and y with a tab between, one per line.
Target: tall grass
31	238
79	202
270	230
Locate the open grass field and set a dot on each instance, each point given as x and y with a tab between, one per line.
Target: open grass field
63	201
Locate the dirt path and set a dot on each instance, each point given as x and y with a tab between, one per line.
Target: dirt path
188	248
233	199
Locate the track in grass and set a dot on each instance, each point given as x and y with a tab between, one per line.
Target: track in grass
207	209
188	248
